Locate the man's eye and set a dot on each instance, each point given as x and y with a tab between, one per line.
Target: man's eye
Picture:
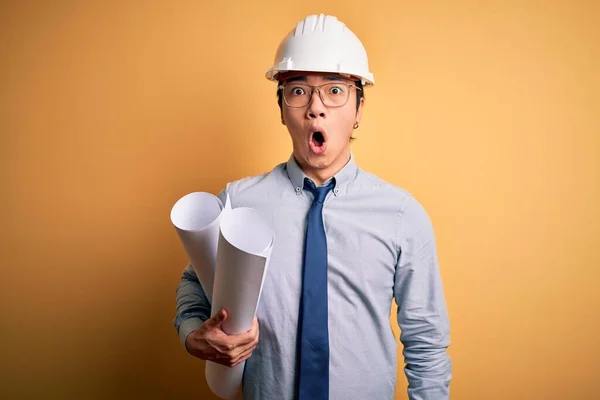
297	91
336	90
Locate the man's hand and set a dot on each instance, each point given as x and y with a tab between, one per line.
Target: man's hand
209	342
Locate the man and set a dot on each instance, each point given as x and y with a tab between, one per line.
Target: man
346	244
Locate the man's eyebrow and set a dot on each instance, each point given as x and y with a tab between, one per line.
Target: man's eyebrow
296	79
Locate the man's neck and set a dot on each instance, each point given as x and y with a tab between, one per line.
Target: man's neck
321	175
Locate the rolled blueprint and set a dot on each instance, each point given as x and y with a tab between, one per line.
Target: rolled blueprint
196	217
229	250
244	251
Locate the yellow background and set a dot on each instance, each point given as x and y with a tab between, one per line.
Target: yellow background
111	111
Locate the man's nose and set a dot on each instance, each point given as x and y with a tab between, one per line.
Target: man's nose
316	106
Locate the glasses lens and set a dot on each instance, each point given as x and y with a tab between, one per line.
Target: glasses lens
297	94
335	94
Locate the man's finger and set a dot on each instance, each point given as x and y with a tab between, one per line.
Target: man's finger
243	356
232	346
242	348
249	336
224	346
217	320
241	339
254	329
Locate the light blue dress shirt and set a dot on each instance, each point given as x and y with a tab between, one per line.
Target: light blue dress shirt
381	246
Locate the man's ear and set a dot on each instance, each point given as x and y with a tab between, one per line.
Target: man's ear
360	110
282	119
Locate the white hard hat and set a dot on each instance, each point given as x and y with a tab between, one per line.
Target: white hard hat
322	43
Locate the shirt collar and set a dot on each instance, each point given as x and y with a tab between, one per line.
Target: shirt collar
342	178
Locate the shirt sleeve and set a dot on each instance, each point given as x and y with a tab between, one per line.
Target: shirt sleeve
422	313
192	304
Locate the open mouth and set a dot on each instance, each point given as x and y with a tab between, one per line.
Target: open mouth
318	143
318	139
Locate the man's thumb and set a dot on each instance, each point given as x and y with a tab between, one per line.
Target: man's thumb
219	318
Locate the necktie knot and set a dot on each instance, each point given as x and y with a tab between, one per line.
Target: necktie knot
320	193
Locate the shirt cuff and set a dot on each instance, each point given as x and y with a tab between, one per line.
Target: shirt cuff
187	327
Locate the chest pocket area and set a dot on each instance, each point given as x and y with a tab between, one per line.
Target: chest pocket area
361	258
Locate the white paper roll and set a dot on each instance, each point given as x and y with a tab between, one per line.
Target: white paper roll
196	217
230	251
244	250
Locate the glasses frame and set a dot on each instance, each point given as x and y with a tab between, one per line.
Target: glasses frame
318	89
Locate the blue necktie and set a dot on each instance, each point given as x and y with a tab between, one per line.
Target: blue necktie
314	332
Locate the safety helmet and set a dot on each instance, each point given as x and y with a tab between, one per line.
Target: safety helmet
322	43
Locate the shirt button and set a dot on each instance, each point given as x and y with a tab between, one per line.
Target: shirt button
336	191
298	190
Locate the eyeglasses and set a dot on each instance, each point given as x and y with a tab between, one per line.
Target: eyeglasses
334	94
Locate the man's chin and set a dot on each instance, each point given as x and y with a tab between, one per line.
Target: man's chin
320	161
